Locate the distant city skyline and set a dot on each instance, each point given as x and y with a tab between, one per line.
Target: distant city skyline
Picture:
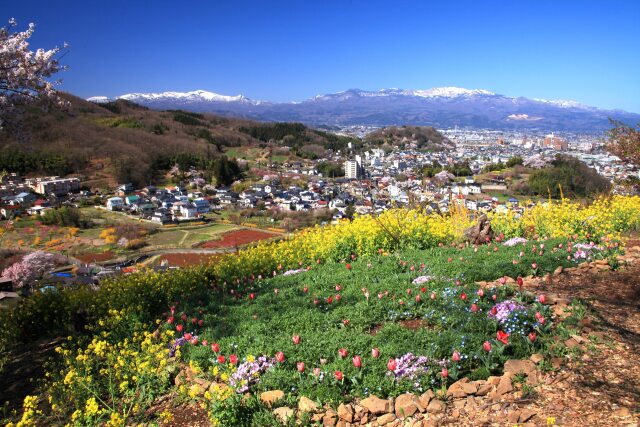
583	51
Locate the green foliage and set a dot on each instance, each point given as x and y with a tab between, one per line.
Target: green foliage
65	216
426	137
296	135
119	122
330	169
568	176
514	161
188	118
18	160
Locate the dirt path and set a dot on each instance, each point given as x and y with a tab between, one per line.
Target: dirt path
601	387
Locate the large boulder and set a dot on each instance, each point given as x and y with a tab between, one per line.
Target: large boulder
481	232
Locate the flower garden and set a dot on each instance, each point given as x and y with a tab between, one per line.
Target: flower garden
377	306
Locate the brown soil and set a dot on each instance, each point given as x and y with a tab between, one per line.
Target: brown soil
238	238
97	257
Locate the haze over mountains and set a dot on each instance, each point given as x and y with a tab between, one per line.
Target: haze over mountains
444	107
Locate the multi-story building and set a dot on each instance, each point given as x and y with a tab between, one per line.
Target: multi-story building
54	185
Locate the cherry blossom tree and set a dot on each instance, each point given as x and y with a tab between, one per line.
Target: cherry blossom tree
33	266
25	74
624	142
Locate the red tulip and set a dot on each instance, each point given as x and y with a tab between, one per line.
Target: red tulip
375	352
194	320
215	347
486	346
444	373
316	301
409	291
194	341
343	352
494	297
456	356
494	311
305	289
252	296
502	337
170	320
179	328
423	289
450	259
463	296
300	366
183	317
418	299
392	364
474	308
221	359
338	375
200	322
188	336
280	357
296	339
357	361
205	343
233	359
329	300
338	297
542	298
348	266
520	281
532	336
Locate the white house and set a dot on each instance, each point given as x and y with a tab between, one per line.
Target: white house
201	205
114	203
188	211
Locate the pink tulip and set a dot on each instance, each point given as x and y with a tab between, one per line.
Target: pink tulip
375	352
357	361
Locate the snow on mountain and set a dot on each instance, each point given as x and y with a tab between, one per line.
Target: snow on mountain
436	92
98	99
194	96
442	107
563	103
448	92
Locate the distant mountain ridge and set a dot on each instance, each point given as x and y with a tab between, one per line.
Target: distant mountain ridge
442	107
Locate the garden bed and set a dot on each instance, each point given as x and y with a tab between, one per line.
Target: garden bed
237	238
96	257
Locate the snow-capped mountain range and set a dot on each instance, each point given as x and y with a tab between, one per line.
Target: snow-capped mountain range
443	107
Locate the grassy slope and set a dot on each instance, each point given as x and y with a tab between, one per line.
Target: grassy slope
266	325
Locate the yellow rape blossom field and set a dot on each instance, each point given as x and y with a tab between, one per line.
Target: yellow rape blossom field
123	362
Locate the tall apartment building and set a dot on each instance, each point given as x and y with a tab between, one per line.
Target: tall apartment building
353	168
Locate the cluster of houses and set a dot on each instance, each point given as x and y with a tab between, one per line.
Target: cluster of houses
33	196
160	205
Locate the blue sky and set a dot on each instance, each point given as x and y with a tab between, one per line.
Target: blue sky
291	50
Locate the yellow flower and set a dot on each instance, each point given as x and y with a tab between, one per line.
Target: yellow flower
91	407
